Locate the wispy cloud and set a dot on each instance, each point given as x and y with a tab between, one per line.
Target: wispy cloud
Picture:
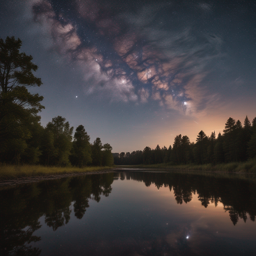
132	57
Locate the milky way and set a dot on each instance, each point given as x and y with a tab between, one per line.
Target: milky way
135	51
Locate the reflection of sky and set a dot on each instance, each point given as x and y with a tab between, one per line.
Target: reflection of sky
133	64
140	220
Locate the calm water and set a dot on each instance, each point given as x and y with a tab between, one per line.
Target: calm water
130	213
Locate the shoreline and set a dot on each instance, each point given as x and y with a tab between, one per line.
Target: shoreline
31	179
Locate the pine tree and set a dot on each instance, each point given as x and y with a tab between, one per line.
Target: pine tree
200	150
201	135
16	73
62	133
18	107
247	123
96	152
252	146
229	126
210	149
238	125
147	155
254	123
219	156
81	151
107	157
176	151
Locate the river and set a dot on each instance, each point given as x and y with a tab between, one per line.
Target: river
130	213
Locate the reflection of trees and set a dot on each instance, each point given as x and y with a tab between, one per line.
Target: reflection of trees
237	195
21	208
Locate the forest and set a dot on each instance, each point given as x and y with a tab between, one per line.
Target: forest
23	140
237	143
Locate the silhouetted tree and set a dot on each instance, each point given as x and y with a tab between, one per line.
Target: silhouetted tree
147	155
107	158
96	152
48	152
247	123
81	151
252	146
210	149
62	133
200	150
219	156
18	106
229	125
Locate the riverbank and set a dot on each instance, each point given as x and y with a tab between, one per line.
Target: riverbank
9	172
11	175
245	167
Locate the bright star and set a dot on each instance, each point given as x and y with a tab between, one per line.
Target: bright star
76	96
187	237
185	103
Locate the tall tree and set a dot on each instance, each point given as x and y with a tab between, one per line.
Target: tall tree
219	156
201	135
254	122
185	150
252	146
107	157
81	152
16	74
247	123
210	149
18	107
62	133
238	124
158	156
229	125
48	151
96	152
200	150
147	155
176	151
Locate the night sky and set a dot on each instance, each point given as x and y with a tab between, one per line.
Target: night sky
137	73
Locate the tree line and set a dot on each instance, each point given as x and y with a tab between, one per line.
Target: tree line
237	143
22	138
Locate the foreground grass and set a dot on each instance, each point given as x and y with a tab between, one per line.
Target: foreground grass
246	167
13	171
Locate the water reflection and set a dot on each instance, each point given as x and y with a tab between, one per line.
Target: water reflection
22	207
237	195
24	210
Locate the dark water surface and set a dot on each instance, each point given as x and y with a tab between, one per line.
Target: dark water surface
130	213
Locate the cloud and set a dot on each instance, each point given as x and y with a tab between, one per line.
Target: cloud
205	7
128	55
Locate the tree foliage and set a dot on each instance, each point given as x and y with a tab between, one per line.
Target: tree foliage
18	107
16	74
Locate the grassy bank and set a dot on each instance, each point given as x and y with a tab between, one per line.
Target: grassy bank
246	167
13	171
